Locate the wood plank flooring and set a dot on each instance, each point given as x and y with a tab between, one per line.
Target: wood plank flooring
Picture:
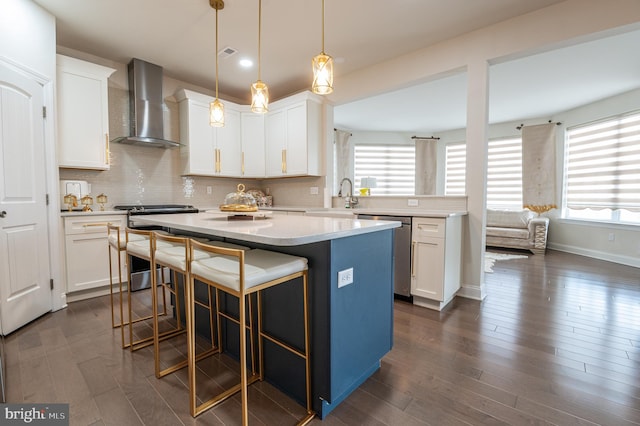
556	341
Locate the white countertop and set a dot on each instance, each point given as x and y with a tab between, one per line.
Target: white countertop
276	230
380	211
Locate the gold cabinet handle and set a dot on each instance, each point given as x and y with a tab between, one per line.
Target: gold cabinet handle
88	225
284	161
242	164
413	259
107	150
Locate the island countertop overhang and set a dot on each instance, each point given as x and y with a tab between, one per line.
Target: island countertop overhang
276	230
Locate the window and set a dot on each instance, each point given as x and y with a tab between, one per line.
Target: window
602	170
455	169
393	166
504	172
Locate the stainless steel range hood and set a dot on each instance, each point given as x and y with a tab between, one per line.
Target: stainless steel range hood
146	106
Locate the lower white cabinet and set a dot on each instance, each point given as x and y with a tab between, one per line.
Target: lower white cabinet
436	260
86	251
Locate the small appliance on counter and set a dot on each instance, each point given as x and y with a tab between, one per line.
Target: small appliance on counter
76	188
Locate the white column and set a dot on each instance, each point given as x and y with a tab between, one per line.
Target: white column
476	179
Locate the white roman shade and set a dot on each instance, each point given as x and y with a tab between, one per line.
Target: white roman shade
456	169
392	165
504	173
603	164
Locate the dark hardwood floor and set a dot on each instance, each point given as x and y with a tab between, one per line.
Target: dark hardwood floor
556	341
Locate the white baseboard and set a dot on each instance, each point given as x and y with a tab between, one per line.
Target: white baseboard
596	254
472	291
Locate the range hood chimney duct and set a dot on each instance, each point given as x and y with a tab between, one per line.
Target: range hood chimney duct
146	106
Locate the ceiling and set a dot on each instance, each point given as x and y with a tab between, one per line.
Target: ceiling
180	37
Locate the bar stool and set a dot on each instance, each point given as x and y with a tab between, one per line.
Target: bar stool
140	244
117	241
177	257
241	274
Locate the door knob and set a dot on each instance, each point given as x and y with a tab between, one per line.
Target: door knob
3	213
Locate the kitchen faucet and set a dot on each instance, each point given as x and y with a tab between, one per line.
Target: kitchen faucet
349	200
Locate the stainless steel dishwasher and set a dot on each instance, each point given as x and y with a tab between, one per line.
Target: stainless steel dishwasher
401	253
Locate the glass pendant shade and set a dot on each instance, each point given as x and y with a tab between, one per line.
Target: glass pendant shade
259	97
216	113
322	74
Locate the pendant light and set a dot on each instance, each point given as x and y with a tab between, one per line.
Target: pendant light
216	108
259	90
322	66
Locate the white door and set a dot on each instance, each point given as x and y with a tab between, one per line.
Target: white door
24	254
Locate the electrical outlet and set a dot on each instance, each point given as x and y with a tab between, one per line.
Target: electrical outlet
412	203
209	190
612	236
345	277
313	190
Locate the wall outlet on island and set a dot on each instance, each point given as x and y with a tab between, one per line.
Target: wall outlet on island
412	203
345	277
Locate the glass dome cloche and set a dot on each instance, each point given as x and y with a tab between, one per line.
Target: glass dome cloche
239	201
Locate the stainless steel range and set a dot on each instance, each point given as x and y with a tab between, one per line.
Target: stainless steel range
140	269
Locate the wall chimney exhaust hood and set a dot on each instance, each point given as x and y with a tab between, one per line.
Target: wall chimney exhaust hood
146	106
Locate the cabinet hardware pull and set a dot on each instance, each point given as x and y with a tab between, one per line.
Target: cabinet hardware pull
107	150
87	225
413	259
284	161
242	165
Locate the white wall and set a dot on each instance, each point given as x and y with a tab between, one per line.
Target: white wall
28	41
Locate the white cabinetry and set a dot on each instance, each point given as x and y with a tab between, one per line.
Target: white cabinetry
206	150
252	136
86	250
294	136
435	263
83	114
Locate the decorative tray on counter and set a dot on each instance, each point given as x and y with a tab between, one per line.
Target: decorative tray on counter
240	215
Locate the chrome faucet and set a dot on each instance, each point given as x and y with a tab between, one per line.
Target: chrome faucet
349	200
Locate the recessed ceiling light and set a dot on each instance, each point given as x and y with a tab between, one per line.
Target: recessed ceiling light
246	63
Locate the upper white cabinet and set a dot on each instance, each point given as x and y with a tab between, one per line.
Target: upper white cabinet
83	114
294	136
252	136
285	142
206	150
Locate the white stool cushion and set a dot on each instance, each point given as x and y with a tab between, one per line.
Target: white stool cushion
113	239
174	256
142	248
260	266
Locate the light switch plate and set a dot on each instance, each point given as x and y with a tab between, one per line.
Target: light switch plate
412	203
345	277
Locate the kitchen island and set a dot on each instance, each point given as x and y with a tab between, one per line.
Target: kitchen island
351	323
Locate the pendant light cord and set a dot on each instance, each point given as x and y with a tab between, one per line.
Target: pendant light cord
216	53
259	32
323	27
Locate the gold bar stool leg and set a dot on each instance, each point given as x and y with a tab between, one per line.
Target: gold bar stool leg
252	268
140	244
174	253
117	243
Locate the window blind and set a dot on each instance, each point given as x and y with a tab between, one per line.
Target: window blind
603	164
456	166
393	166
504	173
